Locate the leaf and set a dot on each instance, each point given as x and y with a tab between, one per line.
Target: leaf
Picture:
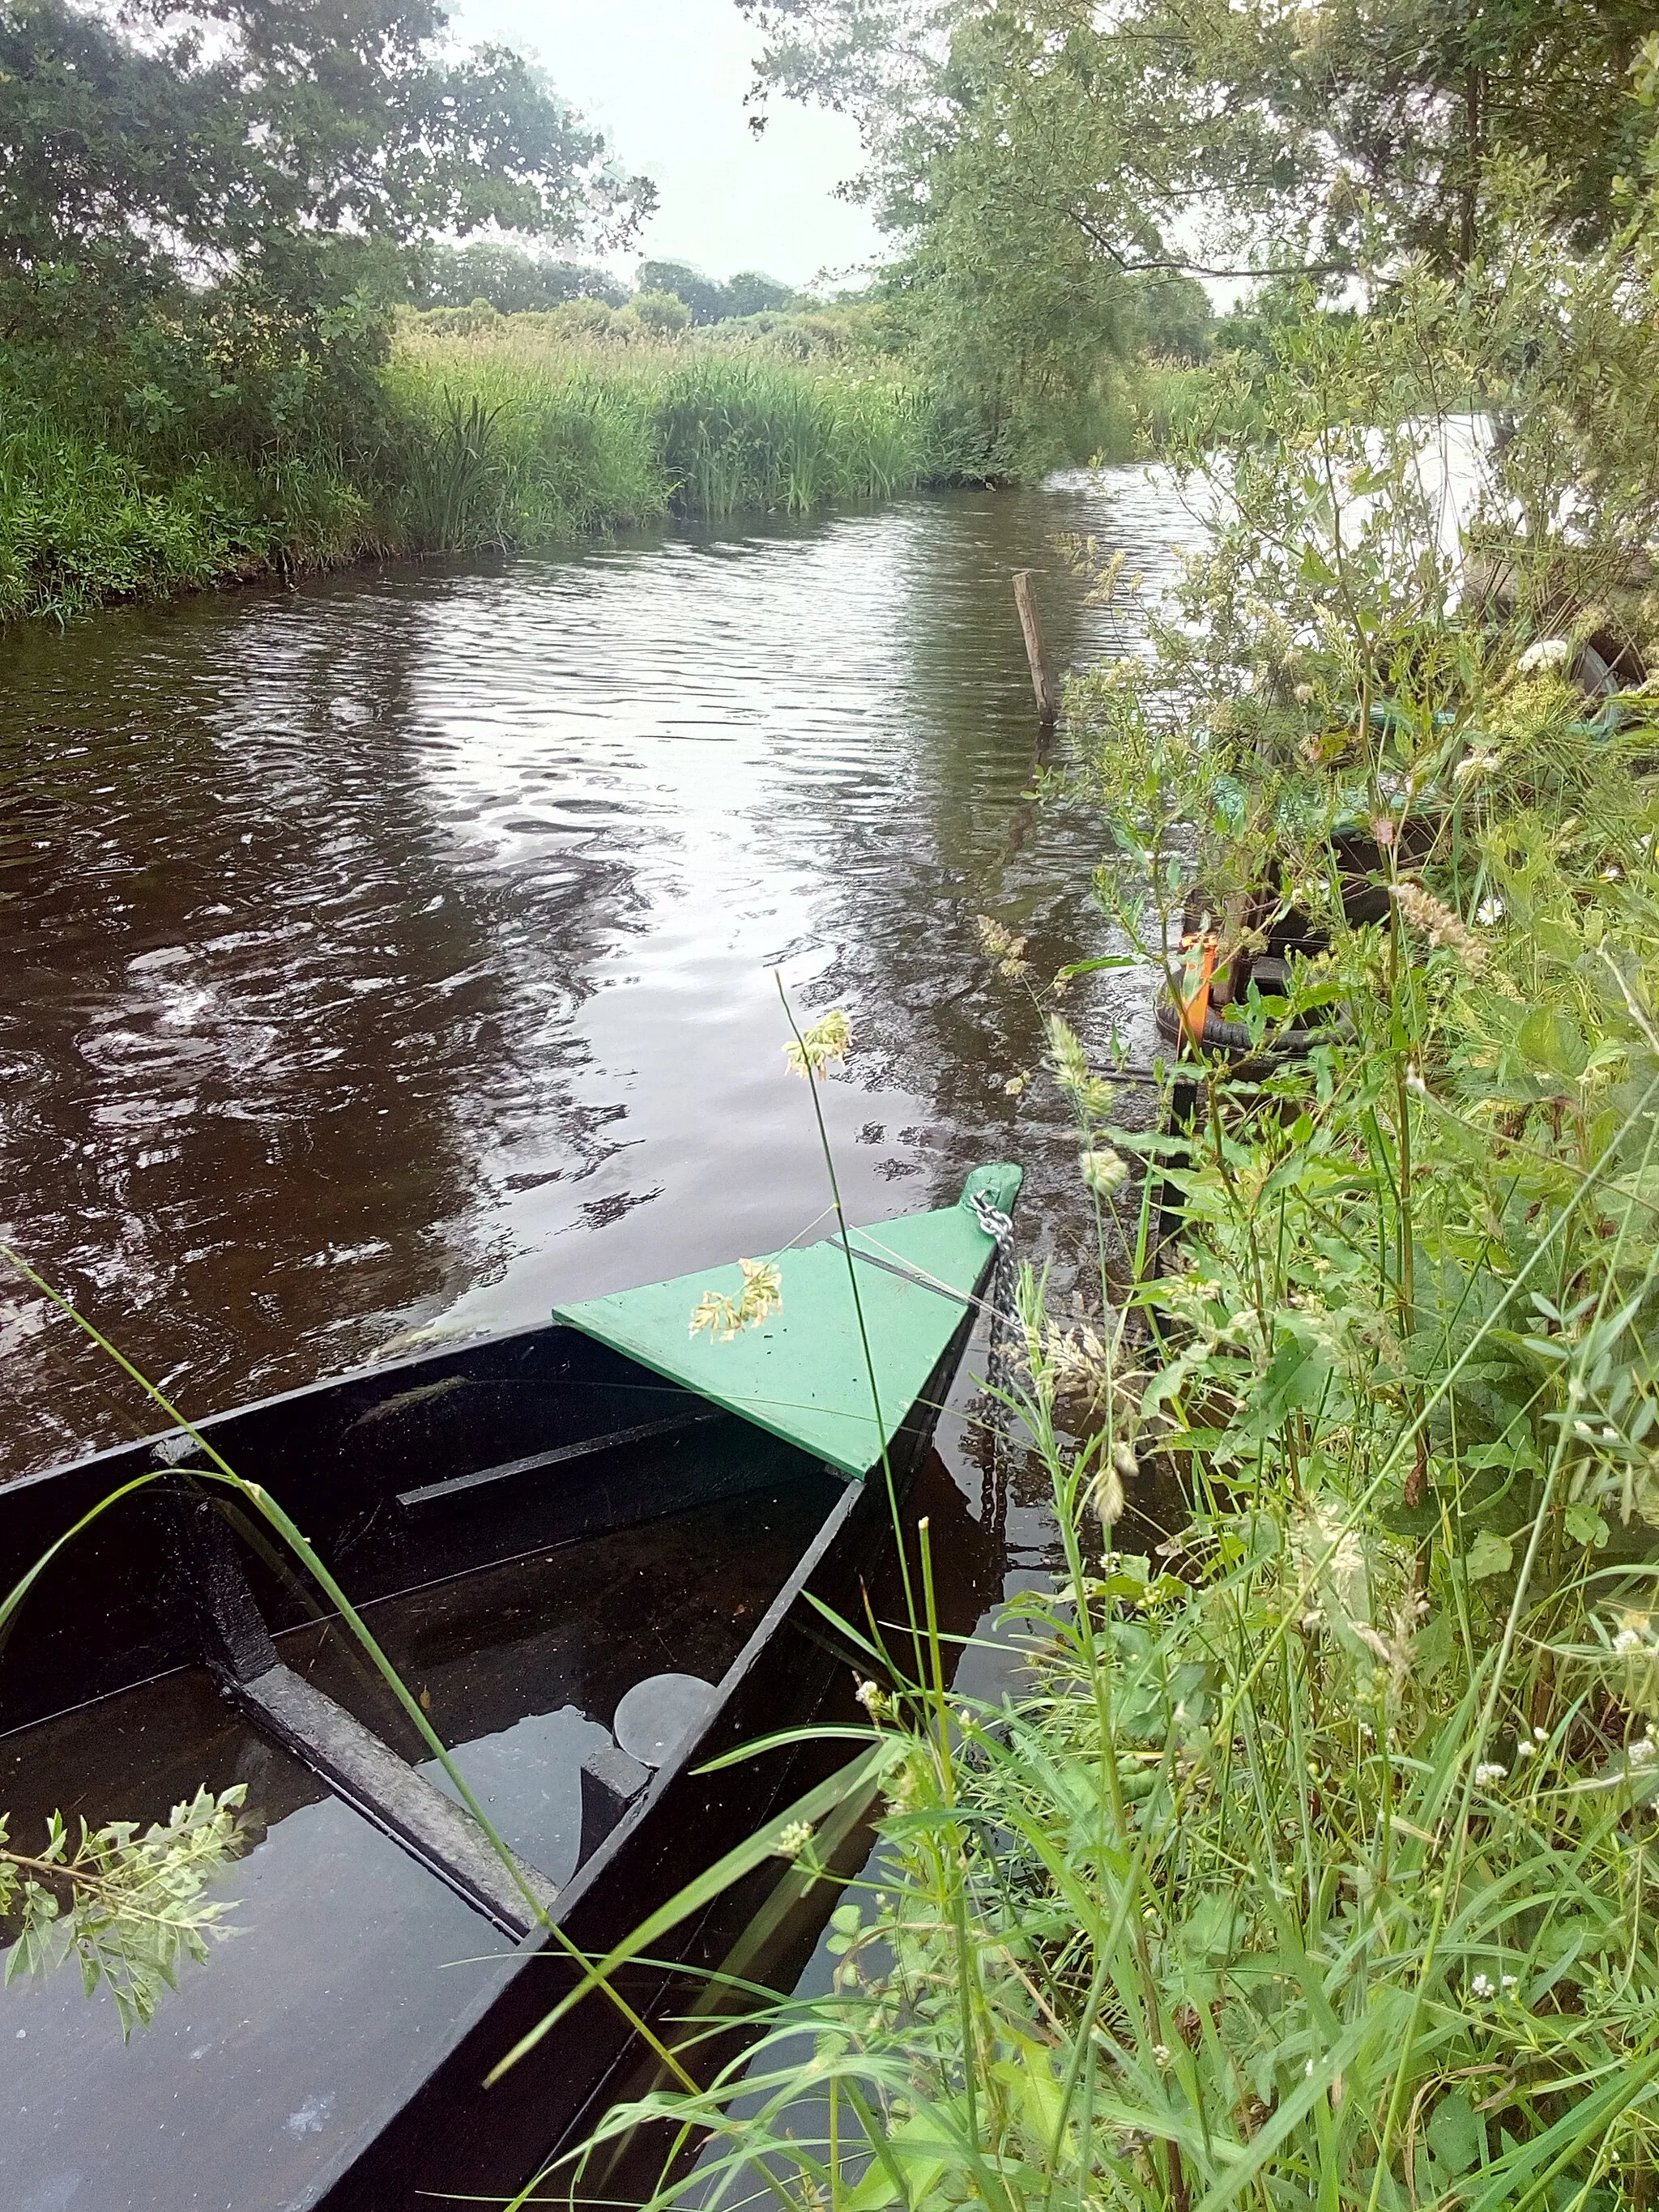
712	1882
1456	2135
1031	2078
1298	1379
1093	967
1552	1040
1585	1526
920	2150
1488	1555
1431	1647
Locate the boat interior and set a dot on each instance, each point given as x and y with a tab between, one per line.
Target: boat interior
560	1554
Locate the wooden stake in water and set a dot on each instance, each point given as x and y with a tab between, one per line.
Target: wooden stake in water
1042	680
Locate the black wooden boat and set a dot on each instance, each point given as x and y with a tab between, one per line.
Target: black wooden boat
592	1550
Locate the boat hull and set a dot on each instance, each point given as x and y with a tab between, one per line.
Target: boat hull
411	1475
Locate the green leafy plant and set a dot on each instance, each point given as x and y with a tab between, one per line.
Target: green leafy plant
1312	1862
129	1906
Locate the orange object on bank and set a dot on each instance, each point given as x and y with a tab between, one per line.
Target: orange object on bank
1195	987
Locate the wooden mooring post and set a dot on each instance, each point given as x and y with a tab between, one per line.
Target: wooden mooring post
1042	677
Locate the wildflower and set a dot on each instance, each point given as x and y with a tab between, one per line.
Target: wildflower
1540	1736
727	1317
1489	912
1613	873
1414	1081
1627	1642
872	1697
1643	1751
1482	1987
1523	1749
793	1839
1072	1361
1489	1771
1066	1053
1543	653
1438	922
1474	764
1160	2056
1106	1495
827	1040
1510	1984
1103	1169
1303	694
1003	946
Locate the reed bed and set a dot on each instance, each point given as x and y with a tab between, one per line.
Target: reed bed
504	434
579	437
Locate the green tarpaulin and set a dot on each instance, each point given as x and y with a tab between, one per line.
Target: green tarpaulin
802	1373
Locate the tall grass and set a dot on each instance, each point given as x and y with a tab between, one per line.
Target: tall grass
1313	1864
592	435
502	431
83	520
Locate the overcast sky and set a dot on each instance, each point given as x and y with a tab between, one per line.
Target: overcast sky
666	79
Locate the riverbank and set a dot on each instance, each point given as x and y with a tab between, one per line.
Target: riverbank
470	442
477	430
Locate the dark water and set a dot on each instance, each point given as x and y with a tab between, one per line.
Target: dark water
396	954
399	951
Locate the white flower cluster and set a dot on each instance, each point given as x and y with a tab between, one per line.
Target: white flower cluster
1545	652
1490	1771
1484	1989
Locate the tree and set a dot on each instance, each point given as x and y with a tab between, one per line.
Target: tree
1171	316
702	295
285	144
1274	123
748	293
1036	161
511	279
661	314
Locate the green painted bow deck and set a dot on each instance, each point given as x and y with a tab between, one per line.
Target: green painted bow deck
803	1373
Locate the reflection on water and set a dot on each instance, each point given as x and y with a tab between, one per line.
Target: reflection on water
398	951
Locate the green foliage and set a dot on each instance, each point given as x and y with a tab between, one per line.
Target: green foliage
589	437
748	293
136	1903
83	522
207	213
1043	163
506	277
1312	1862
661	314
1294	123
278	138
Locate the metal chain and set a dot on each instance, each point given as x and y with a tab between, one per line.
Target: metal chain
999	1358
